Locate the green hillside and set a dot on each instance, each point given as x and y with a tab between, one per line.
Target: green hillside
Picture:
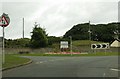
84	42
100	32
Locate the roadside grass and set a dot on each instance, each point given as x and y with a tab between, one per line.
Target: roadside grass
12	60
84	42
89	54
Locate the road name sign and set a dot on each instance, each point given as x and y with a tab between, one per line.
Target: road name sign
100	46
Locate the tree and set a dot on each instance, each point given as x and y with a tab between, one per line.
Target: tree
38	38
99	32
16	43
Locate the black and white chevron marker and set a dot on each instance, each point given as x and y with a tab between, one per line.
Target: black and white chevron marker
100	46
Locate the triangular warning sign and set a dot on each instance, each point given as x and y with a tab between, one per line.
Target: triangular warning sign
3	21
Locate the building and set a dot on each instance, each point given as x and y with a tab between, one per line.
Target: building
116	43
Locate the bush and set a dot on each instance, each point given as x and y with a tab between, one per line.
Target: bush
24	52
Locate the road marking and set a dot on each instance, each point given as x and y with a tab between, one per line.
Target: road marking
104	75
115	70
51	60
39	62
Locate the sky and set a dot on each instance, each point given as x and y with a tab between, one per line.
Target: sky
56	16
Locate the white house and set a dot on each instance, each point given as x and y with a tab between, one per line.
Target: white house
116	43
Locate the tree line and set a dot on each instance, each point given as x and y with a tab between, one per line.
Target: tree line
99	32
39	38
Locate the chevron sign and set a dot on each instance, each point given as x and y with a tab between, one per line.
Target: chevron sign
100	46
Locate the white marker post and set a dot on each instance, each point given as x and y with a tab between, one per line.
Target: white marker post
3	47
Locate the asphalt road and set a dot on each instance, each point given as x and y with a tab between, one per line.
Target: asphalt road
101	66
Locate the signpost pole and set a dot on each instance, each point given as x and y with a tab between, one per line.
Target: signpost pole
4	21
3	50
71	45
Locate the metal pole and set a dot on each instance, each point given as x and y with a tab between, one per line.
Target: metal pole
23	27
3	50
71	45
89	35
89	32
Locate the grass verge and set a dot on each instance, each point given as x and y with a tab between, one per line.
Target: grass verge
13	60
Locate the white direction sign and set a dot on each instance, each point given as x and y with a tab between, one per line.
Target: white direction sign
100	46
64	44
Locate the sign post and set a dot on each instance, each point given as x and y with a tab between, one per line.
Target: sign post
3	48
4	21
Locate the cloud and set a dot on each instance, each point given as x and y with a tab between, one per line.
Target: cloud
57	16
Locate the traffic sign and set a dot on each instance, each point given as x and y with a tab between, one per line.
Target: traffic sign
64	44
4	20
100	46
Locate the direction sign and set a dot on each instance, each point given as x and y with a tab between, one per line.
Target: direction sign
64	44
4	20
100	46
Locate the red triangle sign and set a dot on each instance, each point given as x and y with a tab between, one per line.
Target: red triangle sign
3	22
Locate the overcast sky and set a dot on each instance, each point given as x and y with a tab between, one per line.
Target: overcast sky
57	16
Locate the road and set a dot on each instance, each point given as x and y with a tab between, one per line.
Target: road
91	66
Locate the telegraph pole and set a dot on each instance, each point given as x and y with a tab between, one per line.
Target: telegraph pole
89	35
71	45
23	27
89	32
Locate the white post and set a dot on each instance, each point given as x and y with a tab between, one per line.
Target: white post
3	46
23	27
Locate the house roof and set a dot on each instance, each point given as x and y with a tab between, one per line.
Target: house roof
116	43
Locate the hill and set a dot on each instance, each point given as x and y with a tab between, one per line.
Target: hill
99	32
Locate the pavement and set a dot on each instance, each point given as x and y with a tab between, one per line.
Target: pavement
43	66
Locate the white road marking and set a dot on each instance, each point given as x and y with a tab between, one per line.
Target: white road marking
115	70
39	62
104	75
